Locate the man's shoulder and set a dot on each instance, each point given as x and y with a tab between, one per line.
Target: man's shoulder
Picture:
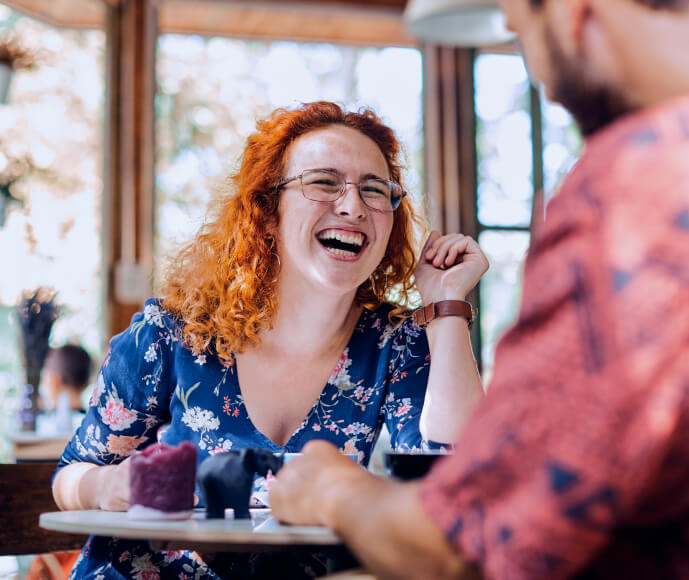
638	165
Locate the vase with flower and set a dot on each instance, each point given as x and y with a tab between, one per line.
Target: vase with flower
36	312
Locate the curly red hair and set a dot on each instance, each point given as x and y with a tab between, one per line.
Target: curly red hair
223	284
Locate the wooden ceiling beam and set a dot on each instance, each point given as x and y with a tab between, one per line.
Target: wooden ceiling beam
325	21
362	22
86	14
391	5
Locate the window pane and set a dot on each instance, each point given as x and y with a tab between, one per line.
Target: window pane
211	91
500	288
561	145
503	141
51	157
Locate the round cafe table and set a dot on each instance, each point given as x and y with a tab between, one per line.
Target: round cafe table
261	533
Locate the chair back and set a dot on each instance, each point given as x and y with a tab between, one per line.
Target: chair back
25	493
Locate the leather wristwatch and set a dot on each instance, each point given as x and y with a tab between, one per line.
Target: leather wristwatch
425	314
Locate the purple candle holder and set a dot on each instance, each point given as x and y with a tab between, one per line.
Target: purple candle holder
162	482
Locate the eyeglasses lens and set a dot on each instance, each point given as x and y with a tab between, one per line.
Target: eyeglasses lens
377	194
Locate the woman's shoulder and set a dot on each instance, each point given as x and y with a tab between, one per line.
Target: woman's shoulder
155	314
153	321
390	313
389	321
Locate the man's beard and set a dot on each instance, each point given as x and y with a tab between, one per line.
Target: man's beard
592	104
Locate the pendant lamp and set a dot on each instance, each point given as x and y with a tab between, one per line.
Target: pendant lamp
457	22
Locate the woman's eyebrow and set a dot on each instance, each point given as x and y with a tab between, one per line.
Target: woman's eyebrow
362	177
372	176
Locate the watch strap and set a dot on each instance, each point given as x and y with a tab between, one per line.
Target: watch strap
422	316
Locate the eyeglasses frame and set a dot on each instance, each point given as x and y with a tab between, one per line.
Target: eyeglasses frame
299	177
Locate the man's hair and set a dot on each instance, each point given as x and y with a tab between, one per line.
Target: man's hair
72	364
223	284
652	4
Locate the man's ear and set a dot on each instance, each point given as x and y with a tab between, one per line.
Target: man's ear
570	18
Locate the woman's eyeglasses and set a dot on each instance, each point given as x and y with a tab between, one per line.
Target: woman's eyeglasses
326	185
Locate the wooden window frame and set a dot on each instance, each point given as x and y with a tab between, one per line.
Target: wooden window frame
451	160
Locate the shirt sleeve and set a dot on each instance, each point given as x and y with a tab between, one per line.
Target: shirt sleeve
130	400
408	378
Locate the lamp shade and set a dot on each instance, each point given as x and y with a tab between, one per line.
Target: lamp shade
457	22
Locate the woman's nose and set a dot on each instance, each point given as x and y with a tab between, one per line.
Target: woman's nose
351	204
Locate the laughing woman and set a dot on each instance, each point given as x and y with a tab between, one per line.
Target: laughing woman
277	326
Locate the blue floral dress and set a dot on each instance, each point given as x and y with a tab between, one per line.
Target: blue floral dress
150	379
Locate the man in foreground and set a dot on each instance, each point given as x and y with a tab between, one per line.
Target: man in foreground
578	459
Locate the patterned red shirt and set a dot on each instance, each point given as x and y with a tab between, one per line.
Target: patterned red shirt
577	462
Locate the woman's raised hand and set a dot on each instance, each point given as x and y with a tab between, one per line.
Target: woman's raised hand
450	266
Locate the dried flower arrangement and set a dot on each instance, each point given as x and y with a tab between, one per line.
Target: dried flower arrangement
36	312
14	55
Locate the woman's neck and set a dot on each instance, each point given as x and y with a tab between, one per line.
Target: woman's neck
311	323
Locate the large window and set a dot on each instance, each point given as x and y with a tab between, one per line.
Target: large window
51	157
211	92
524	144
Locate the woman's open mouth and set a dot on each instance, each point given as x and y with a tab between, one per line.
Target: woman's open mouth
341	242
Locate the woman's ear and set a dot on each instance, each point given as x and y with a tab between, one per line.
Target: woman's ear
272	231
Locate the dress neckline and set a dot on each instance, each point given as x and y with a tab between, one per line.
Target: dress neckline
290	444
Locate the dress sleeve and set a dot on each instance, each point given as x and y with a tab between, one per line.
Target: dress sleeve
408	377
132	392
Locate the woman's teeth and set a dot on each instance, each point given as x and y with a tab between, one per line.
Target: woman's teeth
342	243
341	252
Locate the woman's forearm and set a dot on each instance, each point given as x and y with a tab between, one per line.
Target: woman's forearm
84	486
454	384
74	487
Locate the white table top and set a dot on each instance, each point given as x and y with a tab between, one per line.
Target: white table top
261	532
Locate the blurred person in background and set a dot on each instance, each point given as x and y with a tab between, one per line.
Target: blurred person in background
576	464
65	376
283	321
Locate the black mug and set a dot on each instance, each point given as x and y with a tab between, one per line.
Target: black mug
409	465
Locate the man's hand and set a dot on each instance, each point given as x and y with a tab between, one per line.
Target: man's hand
303	488
381	520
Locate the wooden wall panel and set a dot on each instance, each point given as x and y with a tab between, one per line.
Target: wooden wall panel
450	146
128	220
449	135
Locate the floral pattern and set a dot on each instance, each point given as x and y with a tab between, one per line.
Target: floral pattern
149	379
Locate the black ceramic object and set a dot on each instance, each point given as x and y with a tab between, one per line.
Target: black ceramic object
225	480
409	465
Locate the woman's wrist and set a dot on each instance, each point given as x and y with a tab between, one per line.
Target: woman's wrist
76	485
431	297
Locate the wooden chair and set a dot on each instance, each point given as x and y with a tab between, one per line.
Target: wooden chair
24	494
